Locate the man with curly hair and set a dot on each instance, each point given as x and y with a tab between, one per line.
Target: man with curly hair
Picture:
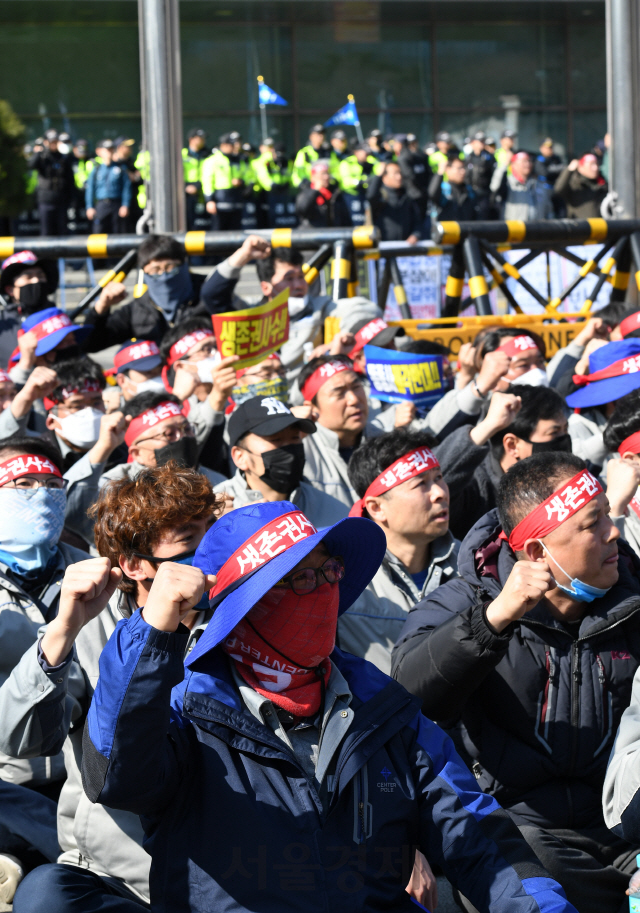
160	515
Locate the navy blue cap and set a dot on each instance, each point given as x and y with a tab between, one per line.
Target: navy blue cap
610	389
360	543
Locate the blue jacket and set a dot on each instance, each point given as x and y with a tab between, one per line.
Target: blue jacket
234	824
535	709
108	182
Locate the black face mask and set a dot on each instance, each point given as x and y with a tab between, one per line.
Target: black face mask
184	452
283	468
67	354
33	298
560	444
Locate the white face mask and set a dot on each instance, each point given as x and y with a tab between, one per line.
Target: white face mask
297	305
536	377
205	367
153	385
82	428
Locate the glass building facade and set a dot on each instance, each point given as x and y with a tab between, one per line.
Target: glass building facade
412	66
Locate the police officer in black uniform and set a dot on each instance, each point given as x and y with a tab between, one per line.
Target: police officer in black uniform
55	185
480	167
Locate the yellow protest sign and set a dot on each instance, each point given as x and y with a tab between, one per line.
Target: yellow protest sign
253	333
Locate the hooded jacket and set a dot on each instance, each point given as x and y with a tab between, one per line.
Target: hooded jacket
233	822
582	195
535	709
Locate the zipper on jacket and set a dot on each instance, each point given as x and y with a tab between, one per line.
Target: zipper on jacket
576	679
543	716
607	709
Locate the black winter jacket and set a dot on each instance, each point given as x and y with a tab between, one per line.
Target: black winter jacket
313	210
452	202
469	502
55	177
394	212
535	709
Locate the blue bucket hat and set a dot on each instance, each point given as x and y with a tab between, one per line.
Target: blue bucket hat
240	536
51	327
608	390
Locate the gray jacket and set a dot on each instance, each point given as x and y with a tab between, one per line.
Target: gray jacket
622	781
21	616
131	470
43	711
325	469
586	430
322	509
371	627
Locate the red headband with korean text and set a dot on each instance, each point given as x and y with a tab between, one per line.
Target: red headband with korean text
617	369
517	345
630	444
629	324
88	386
366	333
270	540
562	504
150	418
321	375
408	466
183	346
26	464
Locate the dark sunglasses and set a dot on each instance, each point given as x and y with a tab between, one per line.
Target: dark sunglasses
177	558
307	578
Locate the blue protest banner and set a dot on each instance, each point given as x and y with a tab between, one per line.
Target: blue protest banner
346	115
267	96
400	376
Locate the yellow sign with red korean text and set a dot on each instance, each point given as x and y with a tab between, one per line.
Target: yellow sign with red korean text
253	333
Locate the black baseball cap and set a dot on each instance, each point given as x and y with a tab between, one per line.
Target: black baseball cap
508	134
225	138
443	137
338	134
480	135
123	141
376	133
264	415
318	128
196	131
104	144
234	137
51	136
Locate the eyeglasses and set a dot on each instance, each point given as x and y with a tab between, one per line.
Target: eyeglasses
165	270
307	578
27	484
172	434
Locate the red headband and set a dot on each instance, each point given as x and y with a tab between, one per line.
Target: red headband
517	345
241	371
617	369
630	444
321	375
25	465
588	158
408	466
562	504
135	352
88	385
629	324
49	326
366	333
265	544
150	418
183	346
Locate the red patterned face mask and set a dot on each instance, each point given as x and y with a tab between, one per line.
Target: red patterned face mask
282	645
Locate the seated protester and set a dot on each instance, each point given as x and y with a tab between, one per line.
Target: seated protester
538	425
278	268
403	491
265	438
171	295
46	338
157	432
26	282
602	378
32	564
138	368
284	757
622	438
529	657
162	515
331	384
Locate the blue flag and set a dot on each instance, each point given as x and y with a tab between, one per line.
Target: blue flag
346	115
267	96
399	376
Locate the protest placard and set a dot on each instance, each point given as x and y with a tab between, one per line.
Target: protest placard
399	376
253	333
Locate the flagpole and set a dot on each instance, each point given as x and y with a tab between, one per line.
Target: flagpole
357	123
263	112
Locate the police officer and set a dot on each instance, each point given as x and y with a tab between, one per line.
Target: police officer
354	174
55	185
316	148
414	165
82	165
223	183
480	167
374	141
108	191
193	158
505	152
274	172
122	156
143	172
444	144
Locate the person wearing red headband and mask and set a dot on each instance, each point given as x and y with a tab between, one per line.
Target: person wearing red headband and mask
277	756
530	657
582	187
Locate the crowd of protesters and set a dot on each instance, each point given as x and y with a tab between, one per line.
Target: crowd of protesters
333	180
269	643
